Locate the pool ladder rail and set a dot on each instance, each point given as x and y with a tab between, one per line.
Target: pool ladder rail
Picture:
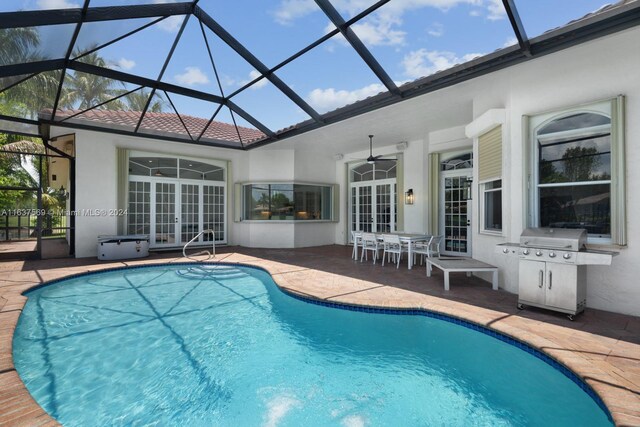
210	255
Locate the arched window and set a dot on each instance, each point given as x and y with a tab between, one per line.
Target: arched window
576	162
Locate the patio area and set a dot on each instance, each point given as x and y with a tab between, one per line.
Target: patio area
603	348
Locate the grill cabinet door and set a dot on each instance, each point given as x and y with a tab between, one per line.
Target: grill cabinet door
561	286
532	281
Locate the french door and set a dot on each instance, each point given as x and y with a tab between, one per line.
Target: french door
374	206
455	211
173	211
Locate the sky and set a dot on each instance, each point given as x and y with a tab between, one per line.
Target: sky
409	38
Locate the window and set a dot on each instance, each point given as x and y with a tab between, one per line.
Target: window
578	160
292	202
382	169
169	167
490	177
492	206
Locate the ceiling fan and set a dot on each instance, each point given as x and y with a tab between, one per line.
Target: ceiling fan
372	159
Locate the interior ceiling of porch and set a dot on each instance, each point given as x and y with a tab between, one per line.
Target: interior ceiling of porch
239	74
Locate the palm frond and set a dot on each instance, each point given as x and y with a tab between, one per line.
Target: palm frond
23	146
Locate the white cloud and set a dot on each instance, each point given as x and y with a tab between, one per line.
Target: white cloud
125	64
192	76
171	24
379	32
422	62
290	10
385	25
228	81
496	10
260	83
510	42
436	30
57	4
329	99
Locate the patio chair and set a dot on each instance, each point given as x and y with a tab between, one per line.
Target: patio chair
428	249
356	237
369	243
391	245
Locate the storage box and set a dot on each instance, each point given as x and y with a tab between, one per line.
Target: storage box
123	247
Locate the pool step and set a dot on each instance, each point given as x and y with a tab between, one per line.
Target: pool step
212	272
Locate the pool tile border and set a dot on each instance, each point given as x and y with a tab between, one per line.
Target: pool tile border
371	309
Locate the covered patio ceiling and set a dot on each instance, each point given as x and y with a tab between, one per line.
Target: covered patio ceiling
239	74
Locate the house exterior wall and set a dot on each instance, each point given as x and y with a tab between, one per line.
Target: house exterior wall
593	71
96	180
96	187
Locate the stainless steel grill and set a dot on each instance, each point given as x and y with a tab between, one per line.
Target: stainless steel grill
552	268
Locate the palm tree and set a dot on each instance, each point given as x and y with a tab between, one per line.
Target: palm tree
84	90
13	172
136	101
18	45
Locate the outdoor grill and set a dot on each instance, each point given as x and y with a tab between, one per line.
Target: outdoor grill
552	269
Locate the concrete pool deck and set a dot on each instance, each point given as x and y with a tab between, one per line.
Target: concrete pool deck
602	348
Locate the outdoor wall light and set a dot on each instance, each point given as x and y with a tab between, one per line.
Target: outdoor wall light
408	197
468	188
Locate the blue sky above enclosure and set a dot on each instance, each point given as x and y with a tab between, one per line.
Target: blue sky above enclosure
409	38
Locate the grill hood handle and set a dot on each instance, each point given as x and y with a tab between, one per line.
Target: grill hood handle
549	246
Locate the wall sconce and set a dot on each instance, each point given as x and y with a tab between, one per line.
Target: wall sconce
408	197
468	188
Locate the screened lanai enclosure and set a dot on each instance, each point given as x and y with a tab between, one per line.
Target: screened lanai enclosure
241	74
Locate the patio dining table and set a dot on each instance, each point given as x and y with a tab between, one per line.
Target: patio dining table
408	238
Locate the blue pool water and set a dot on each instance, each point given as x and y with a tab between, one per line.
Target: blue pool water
177	345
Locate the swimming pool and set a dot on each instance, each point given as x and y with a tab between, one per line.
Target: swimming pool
223	345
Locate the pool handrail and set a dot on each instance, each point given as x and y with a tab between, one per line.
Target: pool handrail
211	254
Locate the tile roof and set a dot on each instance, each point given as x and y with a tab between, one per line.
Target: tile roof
165	124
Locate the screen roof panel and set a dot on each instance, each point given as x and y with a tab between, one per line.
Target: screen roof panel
269	105
192	70
30	97
31	44
417	40
281	64
331	75
143	53
272	31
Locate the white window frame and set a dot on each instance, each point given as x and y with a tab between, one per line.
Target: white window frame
606	108
241	188
483	207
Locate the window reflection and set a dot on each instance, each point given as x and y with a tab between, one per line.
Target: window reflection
581	159
582	206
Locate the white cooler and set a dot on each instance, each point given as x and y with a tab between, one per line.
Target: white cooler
123	247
